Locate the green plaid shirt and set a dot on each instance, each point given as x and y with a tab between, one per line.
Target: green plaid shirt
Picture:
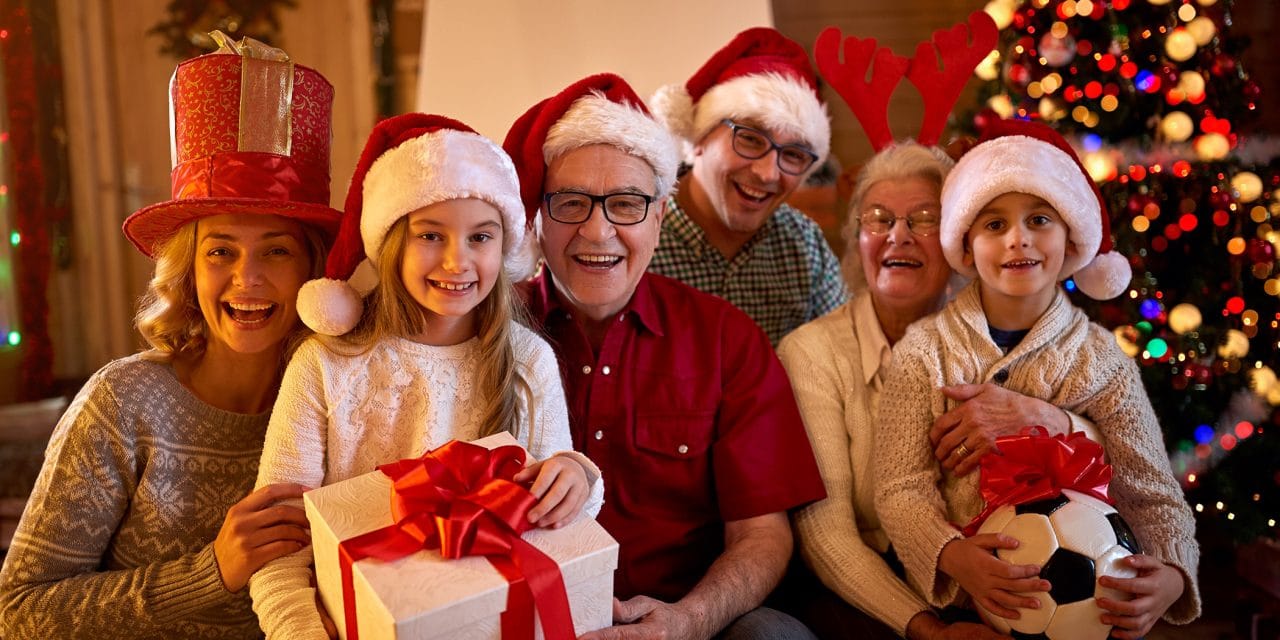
785	276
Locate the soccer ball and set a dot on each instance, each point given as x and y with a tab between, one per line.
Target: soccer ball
1074	539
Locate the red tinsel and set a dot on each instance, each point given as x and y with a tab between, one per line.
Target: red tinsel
32	214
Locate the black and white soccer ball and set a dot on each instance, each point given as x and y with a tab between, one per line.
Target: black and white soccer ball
1074	539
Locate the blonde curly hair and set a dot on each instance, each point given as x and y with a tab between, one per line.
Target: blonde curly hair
169	316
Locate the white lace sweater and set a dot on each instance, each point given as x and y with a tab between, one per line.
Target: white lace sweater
1065	360
341	413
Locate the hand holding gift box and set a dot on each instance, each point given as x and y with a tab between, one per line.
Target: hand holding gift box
457	500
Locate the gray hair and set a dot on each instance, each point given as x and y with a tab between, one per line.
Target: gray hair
898	161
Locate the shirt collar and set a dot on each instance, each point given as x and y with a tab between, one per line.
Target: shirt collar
873	346
545	302
679	223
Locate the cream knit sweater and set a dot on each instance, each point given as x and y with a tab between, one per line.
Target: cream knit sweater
1065	360
840	536
341	413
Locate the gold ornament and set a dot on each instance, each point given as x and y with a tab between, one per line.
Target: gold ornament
1184	318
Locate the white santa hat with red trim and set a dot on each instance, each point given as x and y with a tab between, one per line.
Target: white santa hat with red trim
1017	156
410	161
598	109
761	77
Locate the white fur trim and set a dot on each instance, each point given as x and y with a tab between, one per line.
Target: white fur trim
594	119
329	307
1106	277
1019	164
779	103
440	166
673	107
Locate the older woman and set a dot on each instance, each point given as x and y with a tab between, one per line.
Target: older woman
139	524
894	263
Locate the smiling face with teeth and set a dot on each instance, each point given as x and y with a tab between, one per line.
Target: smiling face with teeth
248	269
1017	243
450	262
597	265
732	197
906	273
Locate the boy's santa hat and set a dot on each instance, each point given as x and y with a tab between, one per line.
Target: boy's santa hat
410	161
599	109
761	77
1017	156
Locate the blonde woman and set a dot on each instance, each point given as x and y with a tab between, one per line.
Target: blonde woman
436	354
142	524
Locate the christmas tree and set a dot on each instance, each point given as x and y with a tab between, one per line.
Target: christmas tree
1153	96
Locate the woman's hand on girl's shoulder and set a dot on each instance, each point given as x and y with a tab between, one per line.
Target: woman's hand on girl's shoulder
257	530
560	485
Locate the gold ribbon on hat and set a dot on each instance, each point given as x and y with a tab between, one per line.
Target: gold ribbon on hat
266	95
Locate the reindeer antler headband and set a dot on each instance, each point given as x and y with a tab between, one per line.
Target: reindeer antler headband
940	86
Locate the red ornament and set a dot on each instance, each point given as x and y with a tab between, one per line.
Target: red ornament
1261	252
1223	64
1019	75
1221	199
1251	90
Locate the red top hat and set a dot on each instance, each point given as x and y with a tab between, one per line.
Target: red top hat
248	136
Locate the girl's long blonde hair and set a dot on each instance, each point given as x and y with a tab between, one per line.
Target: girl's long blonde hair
169	316
391	311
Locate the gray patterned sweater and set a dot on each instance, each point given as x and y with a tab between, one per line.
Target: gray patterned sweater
117	539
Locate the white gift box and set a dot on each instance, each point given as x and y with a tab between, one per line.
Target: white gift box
422	595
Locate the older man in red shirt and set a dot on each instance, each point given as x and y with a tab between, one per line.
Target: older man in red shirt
675	394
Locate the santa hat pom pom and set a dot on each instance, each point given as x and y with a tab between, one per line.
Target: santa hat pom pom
1105	277
674	106
329	307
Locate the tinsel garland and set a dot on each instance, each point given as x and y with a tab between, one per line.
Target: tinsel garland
32	213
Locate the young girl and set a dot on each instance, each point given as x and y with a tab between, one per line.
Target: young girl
434	210
1020	214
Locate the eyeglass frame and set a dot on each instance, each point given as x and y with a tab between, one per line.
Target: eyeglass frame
773	146
604	207
911	226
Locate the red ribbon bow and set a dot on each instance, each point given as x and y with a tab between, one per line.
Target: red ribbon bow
1035	466
462	499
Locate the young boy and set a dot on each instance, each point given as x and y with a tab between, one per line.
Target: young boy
1020	214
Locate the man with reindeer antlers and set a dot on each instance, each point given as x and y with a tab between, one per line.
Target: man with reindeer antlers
754	128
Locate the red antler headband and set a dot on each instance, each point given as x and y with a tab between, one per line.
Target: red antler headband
939	85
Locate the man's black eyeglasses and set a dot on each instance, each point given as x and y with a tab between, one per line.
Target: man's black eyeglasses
575	207
754	144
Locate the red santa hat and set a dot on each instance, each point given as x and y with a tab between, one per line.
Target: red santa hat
1017	156
410	161
761	76
599	109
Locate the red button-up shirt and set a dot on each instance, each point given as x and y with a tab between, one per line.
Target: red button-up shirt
691	419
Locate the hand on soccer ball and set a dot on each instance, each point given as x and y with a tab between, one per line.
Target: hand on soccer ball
1155	589
993	583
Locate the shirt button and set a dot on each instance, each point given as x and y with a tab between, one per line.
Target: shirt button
1001	376
684	448
599	434
586	368
622	316
605	370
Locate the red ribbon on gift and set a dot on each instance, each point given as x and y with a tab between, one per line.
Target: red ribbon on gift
1035	466
462	499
